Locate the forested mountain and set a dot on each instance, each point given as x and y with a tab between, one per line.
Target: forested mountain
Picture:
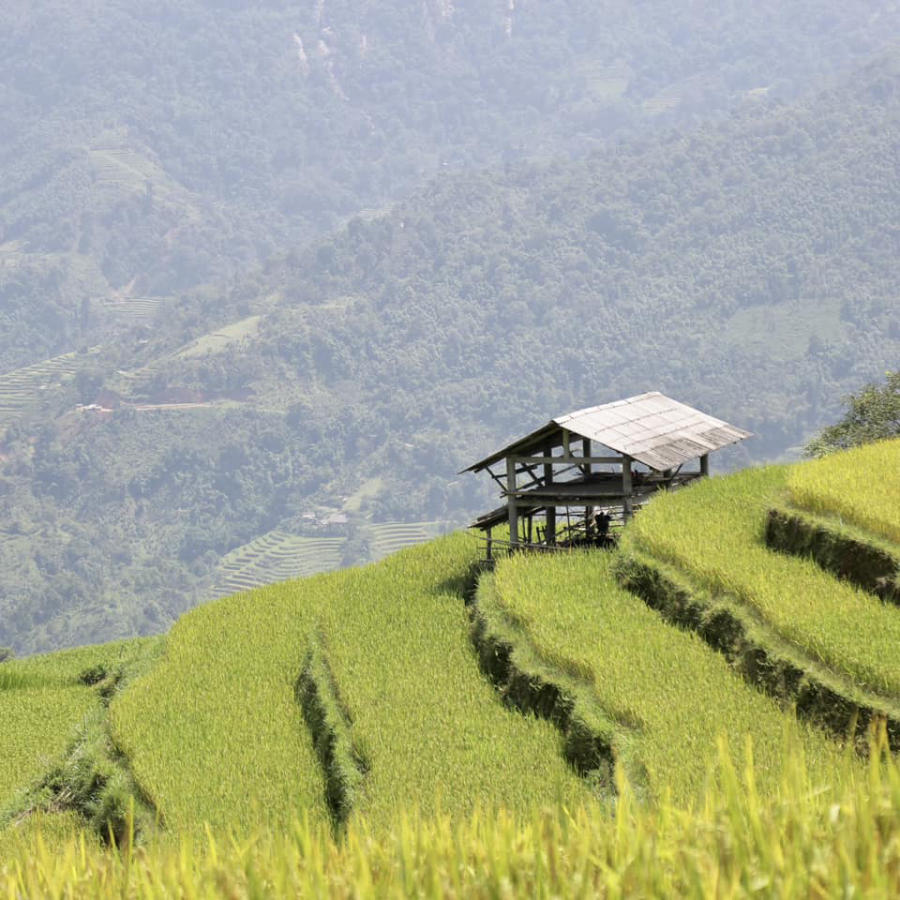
149	147
742	263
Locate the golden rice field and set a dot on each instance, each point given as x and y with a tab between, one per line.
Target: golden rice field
659	681
714	530
37	725
805	841
457	794
43	703
215	734
861	486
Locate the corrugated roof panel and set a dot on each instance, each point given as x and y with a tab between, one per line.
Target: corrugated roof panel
650	405
661	432
652	428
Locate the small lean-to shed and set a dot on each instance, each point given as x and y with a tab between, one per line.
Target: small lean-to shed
610	457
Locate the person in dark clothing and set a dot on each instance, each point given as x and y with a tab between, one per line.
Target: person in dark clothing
601	525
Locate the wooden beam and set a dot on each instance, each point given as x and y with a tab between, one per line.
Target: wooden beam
704	465
567	460
527	469
627	507
513	511
550	515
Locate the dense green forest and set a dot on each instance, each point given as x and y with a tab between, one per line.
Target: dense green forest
150	147
607	210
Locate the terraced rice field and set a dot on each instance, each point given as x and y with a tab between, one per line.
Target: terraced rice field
861	486
38	724
273	557
42	704
432	731
24	387
655	682
214	732
280	556
389	537
714	532
119	169
137	309
218	341
431	728
223	728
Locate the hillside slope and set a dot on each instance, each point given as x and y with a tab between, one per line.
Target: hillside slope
747	269
388	652
339	738
354	696
149	148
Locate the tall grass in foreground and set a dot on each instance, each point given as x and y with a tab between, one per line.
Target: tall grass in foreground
806	841
860	485
714	530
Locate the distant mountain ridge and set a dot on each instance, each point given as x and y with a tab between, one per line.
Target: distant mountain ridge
746	267
149	148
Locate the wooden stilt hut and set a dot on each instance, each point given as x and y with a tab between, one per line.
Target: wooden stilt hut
610	458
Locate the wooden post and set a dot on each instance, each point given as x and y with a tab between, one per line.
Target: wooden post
704	465
490	544
626	488
550	532
586	471
511	501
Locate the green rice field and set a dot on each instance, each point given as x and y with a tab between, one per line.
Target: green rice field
861	486
714	531
345	733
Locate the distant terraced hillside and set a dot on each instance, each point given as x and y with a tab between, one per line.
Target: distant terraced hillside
273	557
23	388
389	537
280	556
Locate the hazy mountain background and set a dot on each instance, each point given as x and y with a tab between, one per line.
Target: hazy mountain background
305	261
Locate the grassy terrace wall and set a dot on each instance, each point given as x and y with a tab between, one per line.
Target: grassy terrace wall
715	532
56	754
216	733
849	553
38	723
668	695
